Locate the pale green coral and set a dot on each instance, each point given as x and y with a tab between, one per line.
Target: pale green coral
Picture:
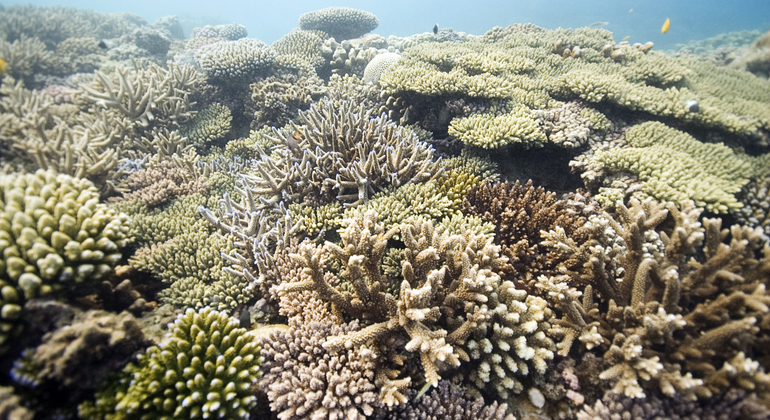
207	367
53	232
532	66
212	123
491	131
395	206
314	220
674	166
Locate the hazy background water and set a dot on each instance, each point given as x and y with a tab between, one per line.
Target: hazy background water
269	20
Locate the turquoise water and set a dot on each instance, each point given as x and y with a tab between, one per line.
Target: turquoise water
268	21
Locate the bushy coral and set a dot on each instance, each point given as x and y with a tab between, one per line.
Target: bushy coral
206	367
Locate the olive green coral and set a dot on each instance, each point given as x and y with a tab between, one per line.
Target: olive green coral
53	231
207	367
674	166
212	123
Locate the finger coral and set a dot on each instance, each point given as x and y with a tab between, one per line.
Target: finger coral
206	367
53	232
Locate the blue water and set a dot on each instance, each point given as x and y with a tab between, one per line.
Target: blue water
268	21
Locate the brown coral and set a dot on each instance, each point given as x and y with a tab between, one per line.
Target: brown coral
520	213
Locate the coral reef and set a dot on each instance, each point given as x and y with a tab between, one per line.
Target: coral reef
339	225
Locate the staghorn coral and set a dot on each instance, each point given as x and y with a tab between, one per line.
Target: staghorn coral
673	166
53	232
205	367
669	317
441	310
351	57
339	152
339	22
153	95
24	57
11	407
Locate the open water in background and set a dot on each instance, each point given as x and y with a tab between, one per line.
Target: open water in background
269	20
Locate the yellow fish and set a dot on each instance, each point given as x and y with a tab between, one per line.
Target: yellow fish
2	66
666	25
630	11
626	38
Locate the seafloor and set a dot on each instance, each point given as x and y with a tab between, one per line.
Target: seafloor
546	224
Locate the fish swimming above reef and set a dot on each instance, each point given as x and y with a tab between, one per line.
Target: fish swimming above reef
2	66
435	29
666	25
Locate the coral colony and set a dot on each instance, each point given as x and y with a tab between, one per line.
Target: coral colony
527	223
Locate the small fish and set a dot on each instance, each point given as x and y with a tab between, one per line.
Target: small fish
631	11
692	105
2	66
103	45
626	38
435	29
666	25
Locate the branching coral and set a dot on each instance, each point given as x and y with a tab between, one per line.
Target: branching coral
340	152
667	317
149	96
304	380
449	304
241	60
520	213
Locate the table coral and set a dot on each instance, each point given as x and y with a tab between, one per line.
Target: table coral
526	66
674	166
339	22
239	60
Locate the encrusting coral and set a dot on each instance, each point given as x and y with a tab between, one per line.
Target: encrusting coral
206	367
